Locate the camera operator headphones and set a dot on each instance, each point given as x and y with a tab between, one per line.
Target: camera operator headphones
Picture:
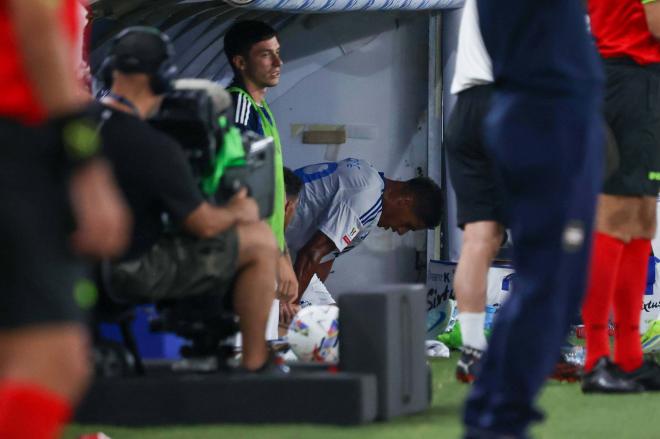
141	49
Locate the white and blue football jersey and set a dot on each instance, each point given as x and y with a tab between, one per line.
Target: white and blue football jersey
246	117
343	200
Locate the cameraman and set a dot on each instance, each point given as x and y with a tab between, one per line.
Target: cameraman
221	250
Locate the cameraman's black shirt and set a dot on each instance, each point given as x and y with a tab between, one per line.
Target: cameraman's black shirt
153	174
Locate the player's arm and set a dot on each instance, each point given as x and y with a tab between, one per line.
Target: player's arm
652	12
325	269
103	220
47	61
287	281
309	258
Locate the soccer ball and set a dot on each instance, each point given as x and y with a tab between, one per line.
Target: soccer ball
314	334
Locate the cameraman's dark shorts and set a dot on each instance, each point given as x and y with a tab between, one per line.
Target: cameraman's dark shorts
37	270
179	266
479	190
632	110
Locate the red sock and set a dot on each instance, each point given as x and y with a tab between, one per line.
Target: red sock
605	261
628	300
28	411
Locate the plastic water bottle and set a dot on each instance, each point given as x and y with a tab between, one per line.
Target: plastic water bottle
490	316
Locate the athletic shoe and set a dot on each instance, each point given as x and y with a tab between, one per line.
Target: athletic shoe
606	377
569	366
274	365
566	371
468	365
647	375
651	338
278	346
452	339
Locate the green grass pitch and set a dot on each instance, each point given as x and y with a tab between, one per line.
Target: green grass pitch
570	414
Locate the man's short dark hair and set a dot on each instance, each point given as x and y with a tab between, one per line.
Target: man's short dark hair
242	35
292	183
428	200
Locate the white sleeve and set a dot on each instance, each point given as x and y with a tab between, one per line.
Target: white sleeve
340	224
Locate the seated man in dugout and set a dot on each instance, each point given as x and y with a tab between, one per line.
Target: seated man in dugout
224	250
340	203
316	293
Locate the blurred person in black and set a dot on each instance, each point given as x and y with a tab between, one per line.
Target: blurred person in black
544	133
58	199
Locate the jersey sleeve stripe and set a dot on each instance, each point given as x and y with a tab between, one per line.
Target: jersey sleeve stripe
371	217
241	119
372	208
376	206
241	113
246	111
240	110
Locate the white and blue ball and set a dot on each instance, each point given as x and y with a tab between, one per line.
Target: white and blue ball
314	334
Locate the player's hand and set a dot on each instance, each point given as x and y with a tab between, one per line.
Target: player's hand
287	312
103	221
287	283
244	208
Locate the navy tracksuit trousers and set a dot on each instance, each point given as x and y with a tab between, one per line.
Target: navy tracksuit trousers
545	135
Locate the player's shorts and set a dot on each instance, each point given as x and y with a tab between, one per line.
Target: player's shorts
478	187
38	272
179	266
632	110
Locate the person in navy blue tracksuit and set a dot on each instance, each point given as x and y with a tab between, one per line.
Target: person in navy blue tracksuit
544	133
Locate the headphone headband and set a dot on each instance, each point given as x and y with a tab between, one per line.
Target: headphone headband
131	53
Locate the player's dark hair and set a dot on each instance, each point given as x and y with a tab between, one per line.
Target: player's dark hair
428	200
292	183
242	35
